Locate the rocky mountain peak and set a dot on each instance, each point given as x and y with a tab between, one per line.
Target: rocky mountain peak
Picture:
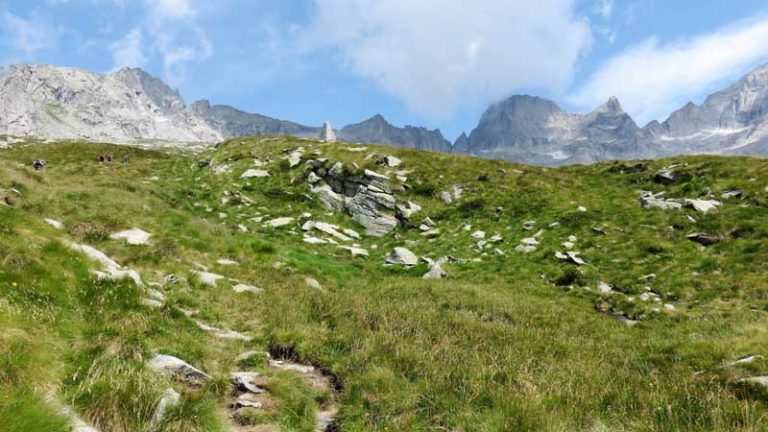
612	106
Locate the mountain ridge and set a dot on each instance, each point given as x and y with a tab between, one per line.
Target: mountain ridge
131	105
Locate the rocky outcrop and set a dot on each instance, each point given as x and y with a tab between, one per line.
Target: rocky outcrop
367	197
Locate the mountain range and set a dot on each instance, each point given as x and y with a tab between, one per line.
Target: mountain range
130	105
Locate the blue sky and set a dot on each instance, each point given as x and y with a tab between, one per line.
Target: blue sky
436	63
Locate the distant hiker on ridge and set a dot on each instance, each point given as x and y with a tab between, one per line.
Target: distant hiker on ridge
101	158
125	159
39	164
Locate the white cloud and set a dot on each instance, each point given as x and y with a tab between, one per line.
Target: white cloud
654	78
603	8
439	54
26	35
170	9
129	51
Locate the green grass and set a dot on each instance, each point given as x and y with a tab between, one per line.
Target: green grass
506	343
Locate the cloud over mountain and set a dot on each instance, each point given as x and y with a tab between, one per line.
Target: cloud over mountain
437	54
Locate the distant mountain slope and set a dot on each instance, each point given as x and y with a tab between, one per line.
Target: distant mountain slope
124	106
534	130
378	130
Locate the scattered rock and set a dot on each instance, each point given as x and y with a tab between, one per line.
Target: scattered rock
435	272
54	223
734	193
703	239
570	256
651	200
390	161
207	278
478	234
243	288
279	222
169	399
745	360
111	269
355	251
173	367
529	225
326	228
446	197
604	288
525	249
222	334
133	236
402	256
244	381
226	262
407	209
703	206
76	424
254	173
313	283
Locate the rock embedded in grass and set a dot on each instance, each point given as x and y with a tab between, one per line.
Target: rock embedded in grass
704	239
169	400
171	367
134	236
402	256
703	206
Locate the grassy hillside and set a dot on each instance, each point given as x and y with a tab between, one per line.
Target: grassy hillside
508	341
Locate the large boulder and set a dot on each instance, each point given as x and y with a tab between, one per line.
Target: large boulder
364	209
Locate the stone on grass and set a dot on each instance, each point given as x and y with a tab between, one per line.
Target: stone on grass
207	278
525	249
244	381
279	222
169	400
54	223
243	288
446	197
171	367
435	272
133	236
402	256
313	283
355	251
746	360
703	206
226	262
110	269
478	234
604	288
571	257
734	193
529	225
254	173
222	334
390	161
703	239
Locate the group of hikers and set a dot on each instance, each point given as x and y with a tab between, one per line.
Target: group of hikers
109	158
39	164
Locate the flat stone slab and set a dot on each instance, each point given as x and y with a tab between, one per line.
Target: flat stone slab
279	222
208	278
222	334
133	236
255	173
54	223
